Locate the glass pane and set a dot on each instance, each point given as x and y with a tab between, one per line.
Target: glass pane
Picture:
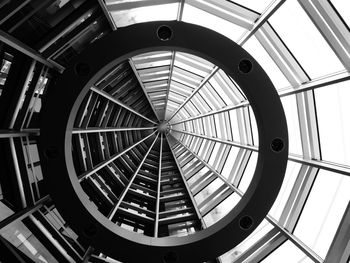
248	173
196	16
343	7
258	6
230	162
221	210
332	104
290	109
287	253
258	233
323	211
211	188
305	42
254	47
286	188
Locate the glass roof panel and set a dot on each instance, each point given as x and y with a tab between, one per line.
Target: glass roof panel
343	7
197	16
288	183
304	41
221	210
254	47
258	6
323	211
145	14
332	105
287	253
290	110
248	173
257	234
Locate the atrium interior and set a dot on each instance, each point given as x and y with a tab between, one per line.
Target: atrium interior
165	143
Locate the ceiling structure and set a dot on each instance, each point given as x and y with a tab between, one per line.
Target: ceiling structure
206	146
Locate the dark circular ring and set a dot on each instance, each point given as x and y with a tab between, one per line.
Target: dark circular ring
61	105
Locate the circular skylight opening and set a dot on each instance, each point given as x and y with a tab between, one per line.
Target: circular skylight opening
124	152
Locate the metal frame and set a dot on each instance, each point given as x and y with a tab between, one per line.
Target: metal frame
273	129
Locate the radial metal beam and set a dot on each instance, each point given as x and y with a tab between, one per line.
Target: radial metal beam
218	175
268	12
24	213
156	225
199	215
316	83
126	189
201	85
88	254
118	102
181	10
132	65
232	143
114	157
169	81
210	113
111	129
23	48
21	133
14	11
107	14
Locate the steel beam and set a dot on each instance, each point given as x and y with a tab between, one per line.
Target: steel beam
118	102
198	213
18	216
107	14
108	129
201	85
156	224
114	157
126	189
22	133
23	48
132	65
268	12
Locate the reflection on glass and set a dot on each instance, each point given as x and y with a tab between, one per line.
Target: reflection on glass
221	210
145	14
